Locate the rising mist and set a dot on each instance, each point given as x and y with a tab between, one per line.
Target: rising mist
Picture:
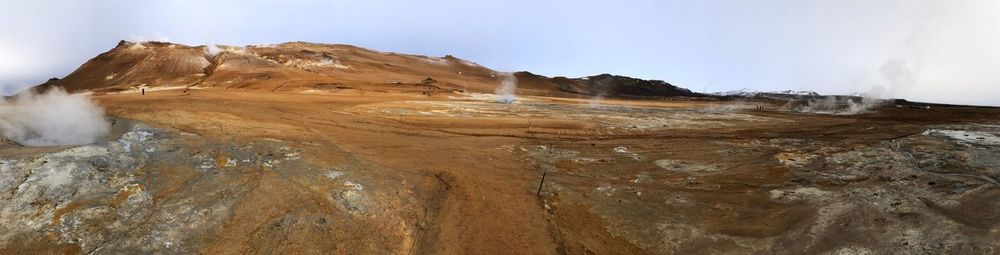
52	118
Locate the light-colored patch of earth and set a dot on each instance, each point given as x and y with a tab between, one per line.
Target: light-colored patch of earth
795	159
966	136
687	166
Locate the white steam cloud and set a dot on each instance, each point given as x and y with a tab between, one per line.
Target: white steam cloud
52	118
898	78
601	88
898	74
505	91
840	105
212	50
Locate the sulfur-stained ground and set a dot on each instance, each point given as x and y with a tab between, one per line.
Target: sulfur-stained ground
233	172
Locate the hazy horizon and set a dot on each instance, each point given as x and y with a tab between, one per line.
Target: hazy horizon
933	51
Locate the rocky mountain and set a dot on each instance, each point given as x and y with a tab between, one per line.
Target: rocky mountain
299	67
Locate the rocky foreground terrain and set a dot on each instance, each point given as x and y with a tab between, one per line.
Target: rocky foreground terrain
319	149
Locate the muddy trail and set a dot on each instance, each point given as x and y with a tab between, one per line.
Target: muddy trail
236	172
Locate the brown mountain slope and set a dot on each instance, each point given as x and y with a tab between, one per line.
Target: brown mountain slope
299	67
133	64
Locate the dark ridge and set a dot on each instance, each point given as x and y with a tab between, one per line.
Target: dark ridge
605	85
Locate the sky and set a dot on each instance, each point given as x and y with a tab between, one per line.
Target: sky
923	50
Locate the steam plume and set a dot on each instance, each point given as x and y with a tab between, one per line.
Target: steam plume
212	50
505	92
600	88
52	118
840	105
897	76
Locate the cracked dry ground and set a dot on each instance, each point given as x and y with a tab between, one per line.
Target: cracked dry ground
223	172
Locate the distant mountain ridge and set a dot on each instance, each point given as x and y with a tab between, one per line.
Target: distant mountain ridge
753	93
302	67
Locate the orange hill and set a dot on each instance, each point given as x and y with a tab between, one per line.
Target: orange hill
298	67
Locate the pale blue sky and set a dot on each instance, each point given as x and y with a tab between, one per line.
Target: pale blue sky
939	51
